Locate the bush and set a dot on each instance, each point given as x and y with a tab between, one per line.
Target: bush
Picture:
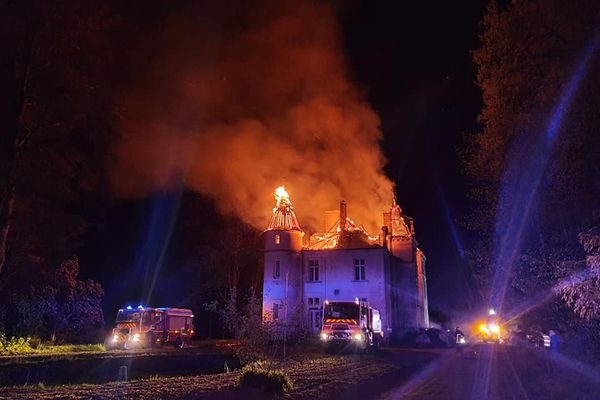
274	381
14	345
20	345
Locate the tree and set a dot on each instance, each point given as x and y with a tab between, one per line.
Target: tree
56	119
540	137
62	308
582	293
51	64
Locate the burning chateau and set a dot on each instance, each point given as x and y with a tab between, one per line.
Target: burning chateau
343	263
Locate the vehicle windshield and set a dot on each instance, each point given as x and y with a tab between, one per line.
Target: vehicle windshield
128	316
342	310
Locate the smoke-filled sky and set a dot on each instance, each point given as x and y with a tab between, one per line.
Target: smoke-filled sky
243	100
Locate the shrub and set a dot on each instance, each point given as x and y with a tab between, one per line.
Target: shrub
274	381
14	345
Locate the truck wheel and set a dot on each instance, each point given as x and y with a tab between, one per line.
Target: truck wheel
376	342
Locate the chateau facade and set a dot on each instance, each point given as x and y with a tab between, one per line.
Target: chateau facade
344	263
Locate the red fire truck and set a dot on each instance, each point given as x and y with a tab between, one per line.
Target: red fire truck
148	327
350	324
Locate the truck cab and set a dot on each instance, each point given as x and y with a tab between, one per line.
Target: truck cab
350	324
147	327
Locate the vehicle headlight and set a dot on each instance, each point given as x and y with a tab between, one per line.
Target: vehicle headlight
483	328
358	336
494	328
115	338
324	336
136	337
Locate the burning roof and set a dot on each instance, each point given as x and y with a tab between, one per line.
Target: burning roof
343	233
283	217
340	231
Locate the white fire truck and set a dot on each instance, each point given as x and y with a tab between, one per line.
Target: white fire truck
350	324
148	327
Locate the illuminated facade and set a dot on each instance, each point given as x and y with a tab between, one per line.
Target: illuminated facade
344	263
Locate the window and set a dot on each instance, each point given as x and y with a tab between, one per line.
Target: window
313	270
359	269
277	270
310	301
277	239
316	301
275	311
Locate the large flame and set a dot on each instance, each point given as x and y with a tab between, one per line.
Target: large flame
283	212
281	194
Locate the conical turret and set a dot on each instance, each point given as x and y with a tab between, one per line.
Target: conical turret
283	217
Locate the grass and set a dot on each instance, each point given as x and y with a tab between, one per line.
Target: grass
20	347
69	348
274	381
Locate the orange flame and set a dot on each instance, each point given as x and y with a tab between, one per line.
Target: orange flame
281	194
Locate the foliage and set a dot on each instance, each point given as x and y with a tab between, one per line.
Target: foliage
583	292
70	348
50	175
529	52
227	258
21	345
248	326
14	345
257	375
59	307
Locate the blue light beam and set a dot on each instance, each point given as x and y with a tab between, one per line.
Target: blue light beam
521	181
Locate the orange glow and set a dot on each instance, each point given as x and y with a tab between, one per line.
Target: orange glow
283	213
281	193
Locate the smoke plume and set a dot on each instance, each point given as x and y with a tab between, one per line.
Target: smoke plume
242	102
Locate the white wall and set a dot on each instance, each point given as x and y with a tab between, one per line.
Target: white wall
336	277
288	287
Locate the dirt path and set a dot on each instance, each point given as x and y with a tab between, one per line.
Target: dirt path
497	372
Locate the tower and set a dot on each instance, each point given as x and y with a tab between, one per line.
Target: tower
408	283
283	283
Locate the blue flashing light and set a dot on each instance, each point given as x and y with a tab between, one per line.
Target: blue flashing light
140	307
129	307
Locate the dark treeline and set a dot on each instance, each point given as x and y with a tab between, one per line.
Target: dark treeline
66	243
535	167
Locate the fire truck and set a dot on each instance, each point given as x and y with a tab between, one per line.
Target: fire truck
350	324
149	327
490	331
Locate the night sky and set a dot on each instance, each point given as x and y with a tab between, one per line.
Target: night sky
414	64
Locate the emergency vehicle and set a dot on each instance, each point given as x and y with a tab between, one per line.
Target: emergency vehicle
350	324
490	331
148	327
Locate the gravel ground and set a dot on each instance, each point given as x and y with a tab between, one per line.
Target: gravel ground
497	373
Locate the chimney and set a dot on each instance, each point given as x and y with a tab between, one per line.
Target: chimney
343	215
387	220
384	236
